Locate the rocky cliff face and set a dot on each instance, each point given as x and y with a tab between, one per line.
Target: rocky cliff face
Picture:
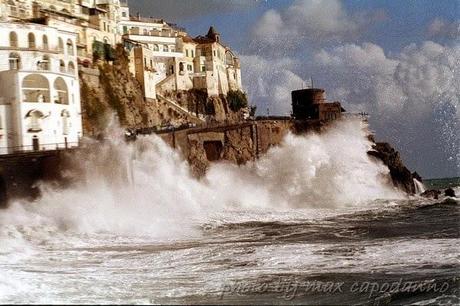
401	176
114	91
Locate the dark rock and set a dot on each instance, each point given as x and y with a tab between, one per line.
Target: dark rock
431	194
401	176
449	192
416	176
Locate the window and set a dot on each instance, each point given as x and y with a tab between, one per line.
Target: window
60	45
61	66
15	61
203	68
181	67
69	47
189	68
193	53
186	52
13	39
45	42
156	47
123	14
44	64
60	87
35	88
31	38
34	118
125	30
165	48
71	68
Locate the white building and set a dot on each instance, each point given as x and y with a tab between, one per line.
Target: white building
39	88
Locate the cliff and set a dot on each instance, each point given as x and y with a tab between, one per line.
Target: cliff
109	87
400	175
115	90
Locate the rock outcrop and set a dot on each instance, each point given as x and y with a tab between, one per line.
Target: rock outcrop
401	176
449	192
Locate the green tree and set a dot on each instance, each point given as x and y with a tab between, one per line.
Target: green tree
237	100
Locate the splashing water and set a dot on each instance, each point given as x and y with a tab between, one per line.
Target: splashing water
146	187
419	187
136	227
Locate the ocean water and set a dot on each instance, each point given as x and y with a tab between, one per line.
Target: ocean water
314	221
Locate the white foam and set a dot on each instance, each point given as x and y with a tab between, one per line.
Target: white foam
145	188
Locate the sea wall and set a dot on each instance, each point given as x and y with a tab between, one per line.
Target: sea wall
236	143
20	173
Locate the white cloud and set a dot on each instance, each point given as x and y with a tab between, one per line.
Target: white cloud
270	82
413	97
315	21
440	28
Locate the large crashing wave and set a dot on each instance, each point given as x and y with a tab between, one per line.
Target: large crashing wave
146	188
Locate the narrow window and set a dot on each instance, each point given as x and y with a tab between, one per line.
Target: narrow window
45	42
61	45
15	61
70	47
31	39
61	66
13	39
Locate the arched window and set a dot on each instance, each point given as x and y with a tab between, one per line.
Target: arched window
44	64
65	122
71	68
15	61
34	121
165	48
106	40
35	88
60	45
156	47
229	58
31	38
13	39
61	66
181	67
69	47
45	42
62	94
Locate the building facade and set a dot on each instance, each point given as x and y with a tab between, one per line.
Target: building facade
39	88
43	44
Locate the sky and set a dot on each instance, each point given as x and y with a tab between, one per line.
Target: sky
399	61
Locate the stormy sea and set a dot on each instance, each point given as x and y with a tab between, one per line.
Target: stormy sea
314	221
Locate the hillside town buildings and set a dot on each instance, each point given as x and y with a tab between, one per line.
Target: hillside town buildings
44	44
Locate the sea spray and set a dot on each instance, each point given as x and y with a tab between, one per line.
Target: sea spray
146	188
419	187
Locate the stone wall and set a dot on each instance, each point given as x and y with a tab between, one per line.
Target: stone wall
237	143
